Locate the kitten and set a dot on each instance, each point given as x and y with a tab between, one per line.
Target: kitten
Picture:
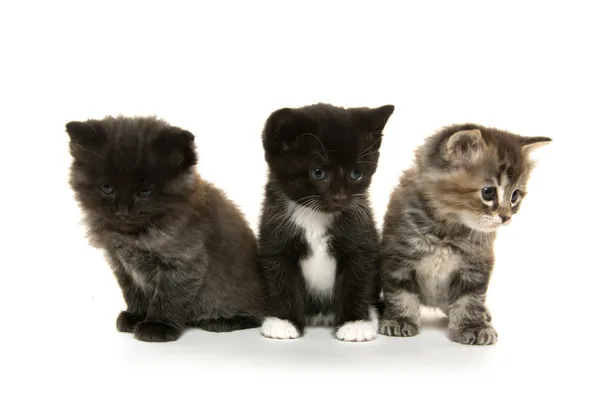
182	253
319	248
439	229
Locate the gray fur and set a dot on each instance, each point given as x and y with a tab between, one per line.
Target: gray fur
438	234
184	257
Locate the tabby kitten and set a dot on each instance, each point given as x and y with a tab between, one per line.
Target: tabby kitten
182	253
439	229
319	247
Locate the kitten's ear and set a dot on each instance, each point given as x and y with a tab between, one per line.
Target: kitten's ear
281	130
86	133
528	144
178	145
464	145
279	120
87	138
372	120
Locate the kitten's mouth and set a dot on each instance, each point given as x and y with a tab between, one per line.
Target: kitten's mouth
325	206
484	224
334	208
128	227
337	204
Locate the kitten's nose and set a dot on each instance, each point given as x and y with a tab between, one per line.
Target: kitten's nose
504	218
123	213
340	199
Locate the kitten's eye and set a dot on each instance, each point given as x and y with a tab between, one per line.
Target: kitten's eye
515	196
145	193
488	193
107	189
317	174
356	175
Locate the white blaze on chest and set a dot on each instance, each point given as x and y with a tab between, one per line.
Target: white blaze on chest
319	266
434	271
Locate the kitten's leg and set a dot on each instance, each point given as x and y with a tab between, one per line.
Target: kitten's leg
135	298
401	316
126	321
157	331
469	318
285	296
165	321
169	305
356	316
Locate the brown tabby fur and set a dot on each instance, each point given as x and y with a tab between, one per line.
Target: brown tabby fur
438	234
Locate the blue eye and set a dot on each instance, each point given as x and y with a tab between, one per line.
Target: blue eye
515	196
356	175
145	193
488	193
107	189
318	174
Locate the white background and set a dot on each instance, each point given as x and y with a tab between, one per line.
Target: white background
219	70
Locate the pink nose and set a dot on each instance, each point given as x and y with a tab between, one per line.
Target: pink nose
339	198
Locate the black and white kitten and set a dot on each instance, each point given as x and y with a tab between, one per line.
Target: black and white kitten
181	251
318	244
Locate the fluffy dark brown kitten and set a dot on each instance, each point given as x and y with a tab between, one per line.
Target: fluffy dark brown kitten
182	253
438	234
319	247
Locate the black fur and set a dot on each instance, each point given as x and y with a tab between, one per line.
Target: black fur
182	253
337	141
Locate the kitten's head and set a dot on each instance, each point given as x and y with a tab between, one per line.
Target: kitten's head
128	172
322	156
477	175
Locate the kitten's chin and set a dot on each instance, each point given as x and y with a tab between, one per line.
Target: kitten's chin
321	207
332	209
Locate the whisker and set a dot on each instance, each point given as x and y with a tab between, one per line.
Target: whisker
324	155
362	154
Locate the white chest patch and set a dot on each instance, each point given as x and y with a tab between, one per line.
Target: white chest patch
433	276
319	267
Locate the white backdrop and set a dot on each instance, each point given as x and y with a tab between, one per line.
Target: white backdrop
219	69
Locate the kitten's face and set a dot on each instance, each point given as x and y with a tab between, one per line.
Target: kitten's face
479	176
130	172
324	157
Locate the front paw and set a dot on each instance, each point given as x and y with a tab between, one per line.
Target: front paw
357	331
279	329
398	328
478	335
126	321
156	332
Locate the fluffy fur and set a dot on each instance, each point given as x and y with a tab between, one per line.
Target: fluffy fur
439	229
319	250
182	253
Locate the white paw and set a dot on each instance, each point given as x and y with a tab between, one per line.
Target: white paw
357	331
279	329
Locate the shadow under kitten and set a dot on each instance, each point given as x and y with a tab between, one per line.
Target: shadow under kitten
181	252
